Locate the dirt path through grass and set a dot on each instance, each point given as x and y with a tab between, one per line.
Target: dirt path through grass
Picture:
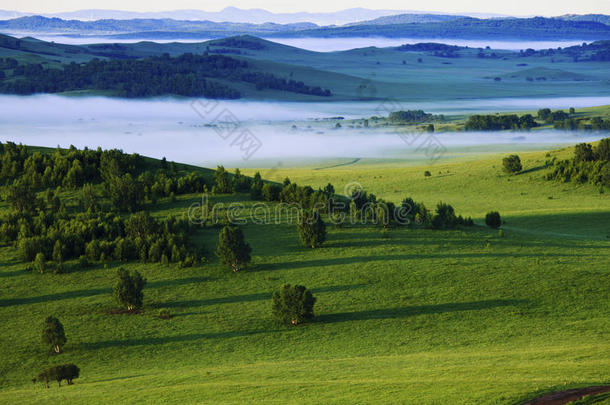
565	397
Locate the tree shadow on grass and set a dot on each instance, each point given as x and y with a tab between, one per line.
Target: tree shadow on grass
54	297
245	298
94	291
400	257
14	273
149	341
403	312
177	282
531	170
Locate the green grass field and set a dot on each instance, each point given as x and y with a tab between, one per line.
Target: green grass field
411	316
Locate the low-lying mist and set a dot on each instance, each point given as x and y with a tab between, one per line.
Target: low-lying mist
291	133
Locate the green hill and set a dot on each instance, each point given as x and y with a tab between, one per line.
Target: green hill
467	316
409	73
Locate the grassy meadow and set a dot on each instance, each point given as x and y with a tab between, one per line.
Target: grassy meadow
466	316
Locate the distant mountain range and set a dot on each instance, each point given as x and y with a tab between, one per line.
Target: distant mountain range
398	26
233	14
601	18
537	28
35	24
229	14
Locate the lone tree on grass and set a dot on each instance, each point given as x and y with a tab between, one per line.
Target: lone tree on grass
232	248
53	333
128	289
493	220
293	304
311	229
512	164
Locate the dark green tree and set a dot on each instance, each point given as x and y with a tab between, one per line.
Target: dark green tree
445	217
583	153
493	220
602	151
22	197
293	305
512	164
223	183
232	248
128	289
256	190
40	262
53	333
312	229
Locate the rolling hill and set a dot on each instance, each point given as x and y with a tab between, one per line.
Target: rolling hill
469	316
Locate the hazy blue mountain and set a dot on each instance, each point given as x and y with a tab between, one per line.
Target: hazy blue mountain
408	18
57	25
230	14
537	28
398	26
601	18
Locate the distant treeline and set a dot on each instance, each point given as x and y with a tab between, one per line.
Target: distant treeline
185	75
499	122
598	51
414	116
559	119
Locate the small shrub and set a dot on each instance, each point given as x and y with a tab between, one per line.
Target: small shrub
512	164
493	220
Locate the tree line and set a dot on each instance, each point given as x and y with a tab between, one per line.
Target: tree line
185	75
588	165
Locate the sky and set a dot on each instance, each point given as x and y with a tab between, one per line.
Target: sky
511	7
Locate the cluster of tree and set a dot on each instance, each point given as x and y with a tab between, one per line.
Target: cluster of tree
58	373
125	178
239	42
269	81
589	164
600	124
305	197
8	63
225	183
100	237
366	208
185	75
492	122
429	47
413	116
549	116
598	51
43	229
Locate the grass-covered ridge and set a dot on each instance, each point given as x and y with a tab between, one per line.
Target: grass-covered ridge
405	315
423	72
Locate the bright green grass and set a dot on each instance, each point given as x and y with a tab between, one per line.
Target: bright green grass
422	317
